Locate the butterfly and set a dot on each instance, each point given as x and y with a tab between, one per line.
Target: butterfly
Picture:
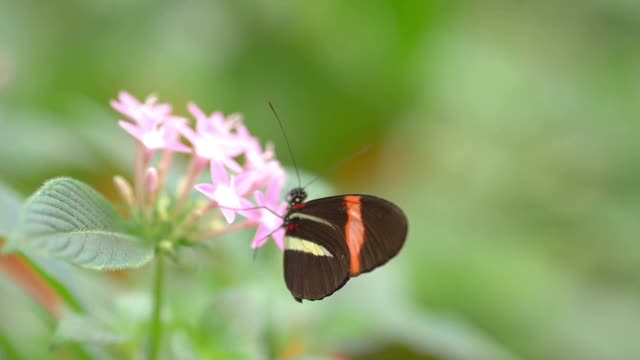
330	240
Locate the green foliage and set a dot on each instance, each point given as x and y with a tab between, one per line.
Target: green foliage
57	274
10	203
60	276
23	322
84	330
68	220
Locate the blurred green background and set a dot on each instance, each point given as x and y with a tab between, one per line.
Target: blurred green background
507	130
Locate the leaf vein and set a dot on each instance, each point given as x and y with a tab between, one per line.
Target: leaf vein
82	212
87	195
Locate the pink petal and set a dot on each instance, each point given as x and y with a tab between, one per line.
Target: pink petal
128	105
206	189
178	146
228	200
162	109
199	115
229	215
187	132
175	121
219	174
278	237
128	99
152	140
233	165
243	183
131	129
119	107
226	196
259	196
252	215
242	131
261	237
274	190
218	123
195	110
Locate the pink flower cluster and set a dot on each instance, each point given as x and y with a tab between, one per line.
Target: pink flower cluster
250	188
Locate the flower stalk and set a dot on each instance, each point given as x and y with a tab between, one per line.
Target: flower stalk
195	169
163	169
156	314
151	189
138	181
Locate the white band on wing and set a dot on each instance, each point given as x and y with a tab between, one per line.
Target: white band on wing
297	244
310	217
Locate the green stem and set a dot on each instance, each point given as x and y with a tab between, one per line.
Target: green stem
156	324
138	175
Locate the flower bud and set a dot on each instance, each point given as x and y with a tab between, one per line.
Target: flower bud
124	188
151	182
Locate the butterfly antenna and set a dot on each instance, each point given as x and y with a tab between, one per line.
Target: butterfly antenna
339	164
253	208
293	159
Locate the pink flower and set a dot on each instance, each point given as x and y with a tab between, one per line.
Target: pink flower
269	224
262	164
139	112
219	142
213	138
159	135
153	124
260	173
227	192
256	158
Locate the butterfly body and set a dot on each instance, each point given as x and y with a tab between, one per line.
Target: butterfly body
331	239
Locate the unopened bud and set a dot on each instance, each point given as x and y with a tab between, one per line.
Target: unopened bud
235	118
124	188
151	182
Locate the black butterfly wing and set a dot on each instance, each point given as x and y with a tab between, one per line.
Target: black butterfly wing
320	254
316	262
385	227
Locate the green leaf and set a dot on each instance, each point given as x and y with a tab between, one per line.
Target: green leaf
56	273
10	203
68	220
74	328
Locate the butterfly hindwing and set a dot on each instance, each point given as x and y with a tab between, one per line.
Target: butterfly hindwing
315	262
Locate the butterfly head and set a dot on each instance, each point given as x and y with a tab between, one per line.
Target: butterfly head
296	196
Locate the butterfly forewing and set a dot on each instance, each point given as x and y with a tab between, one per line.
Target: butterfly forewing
385	232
